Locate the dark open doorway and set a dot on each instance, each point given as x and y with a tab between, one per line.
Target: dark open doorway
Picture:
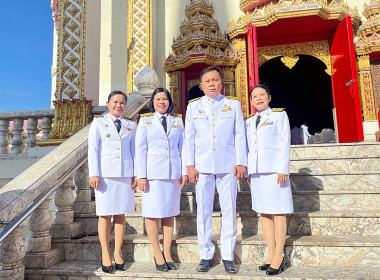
195	92
304	91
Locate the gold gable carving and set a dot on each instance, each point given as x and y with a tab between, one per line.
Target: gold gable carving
270	12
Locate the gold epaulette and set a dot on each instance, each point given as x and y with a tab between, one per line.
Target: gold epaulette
195	99
99	116
146	115
277	109
233	97
176	115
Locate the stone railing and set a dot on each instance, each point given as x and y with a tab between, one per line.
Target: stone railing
39	180
17	139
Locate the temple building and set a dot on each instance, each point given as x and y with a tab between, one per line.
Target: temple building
320	58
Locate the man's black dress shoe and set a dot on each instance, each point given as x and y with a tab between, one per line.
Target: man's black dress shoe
107	269
264	266
229	266
120	266
204	265
160	267
273	271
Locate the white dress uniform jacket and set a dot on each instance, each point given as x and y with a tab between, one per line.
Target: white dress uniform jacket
110	154
158	154
215	135
269	144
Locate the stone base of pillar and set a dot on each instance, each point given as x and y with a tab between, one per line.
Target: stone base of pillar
66	231
45	259
84	207
83	195
14	274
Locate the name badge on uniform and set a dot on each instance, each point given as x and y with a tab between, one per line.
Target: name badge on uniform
149	123
129	129
108	135
267	123
226	108
176	126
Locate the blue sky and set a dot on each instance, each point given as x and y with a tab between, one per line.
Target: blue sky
26	46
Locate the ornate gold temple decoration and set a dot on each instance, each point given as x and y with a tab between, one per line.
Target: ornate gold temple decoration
366	88
140	37
173	84
368	34
375	74
192	83
199	41
70	116
367	42
71	46
241	78
228	81
271	12
288	53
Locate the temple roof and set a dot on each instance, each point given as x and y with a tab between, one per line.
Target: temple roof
368	40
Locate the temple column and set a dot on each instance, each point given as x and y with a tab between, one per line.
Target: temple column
241	78
173	84
370	125
228	81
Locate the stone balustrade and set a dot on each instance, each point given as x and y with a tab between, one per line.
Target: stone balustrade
18	194
16	137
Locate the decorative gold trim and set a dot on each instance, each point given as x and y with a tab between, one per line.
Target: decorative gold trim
288	53
364	63
269	13
368	40
173	84
366	92
241	78
192	83
71	49
246	3
139	38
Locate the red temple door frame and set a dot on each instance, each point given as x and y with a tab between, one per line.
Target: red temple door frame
253	64
345	84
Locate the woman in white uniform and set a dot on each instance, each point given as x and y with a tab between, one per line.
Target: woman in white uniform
160	172
268	137
110	162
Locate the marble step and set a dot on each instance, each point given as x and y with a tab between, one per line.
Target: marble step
335	151
367	199
318	251
336	166
90	270
342	223
304	182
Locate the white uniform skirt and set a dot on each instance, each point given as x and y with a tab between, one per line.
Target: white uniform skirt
161	199
268	197
114	196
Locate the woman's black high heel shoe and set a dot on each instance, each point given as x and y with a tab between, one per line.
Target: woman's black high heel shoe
264	266
273	271
120	266
171	265
161	267
107	269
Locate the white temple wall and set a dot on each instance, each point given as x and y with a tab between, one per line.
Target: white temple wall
92	51
113	48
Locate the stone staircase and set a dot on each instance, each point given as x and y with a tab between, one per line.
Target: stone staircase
333	234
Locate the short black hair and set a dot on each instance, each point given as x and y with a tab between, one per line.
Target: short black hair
115	92
211	68
157	90
264	87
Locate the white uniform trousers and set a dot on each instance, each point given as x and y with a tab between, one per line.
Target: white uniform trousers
205	191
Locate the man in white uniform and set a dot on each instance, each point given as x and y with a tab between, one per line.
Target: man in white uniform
215	147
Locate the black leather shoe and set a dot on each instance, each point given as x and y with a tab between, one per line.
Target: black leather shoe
107	269
274	271
204	265
229	266
170	265
264	266
120	266
161	267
